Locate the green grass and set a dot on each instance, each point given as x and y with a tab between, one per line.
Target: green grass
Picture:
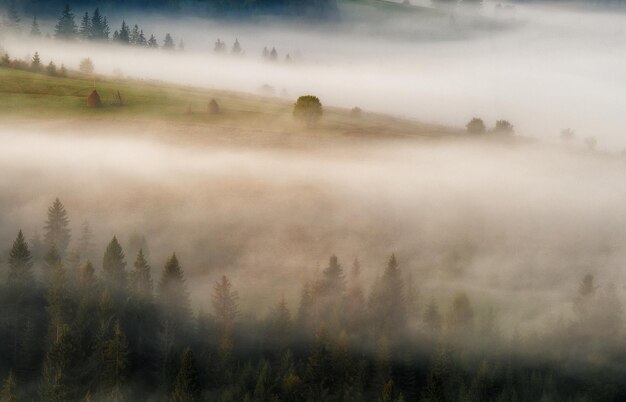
35	96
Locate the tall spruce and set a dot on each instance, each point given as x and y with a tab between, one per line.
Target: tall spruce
20	263
35	31
115	355
57	231
225	311
66	27
85	27
387	302
141	278
187	387
114	266
124	34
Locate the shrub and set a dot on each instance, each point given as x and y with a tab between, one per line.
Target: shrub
51	69
591	143
567	134
476	126
86	66
503	126
308	109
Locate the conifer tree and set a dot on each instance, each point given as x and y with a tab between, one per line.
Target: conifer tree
141	279
51	260
115	365
142	40
387	301
188	380
35	64
432	318
320	375
236	48
35	31
134	35
114	266
106	30
13	16
20	263
168	43
181	45
57	227
279	326
85	241
152	42
225	311
124	34
66	27
85	29
173	294
9	390
59	303
57	385
97	26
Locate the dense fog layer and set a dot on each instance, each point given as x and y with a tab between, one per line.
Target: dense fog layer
542	69
518	225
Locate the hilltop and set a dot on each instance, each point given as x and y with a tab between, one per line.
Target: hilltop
151	107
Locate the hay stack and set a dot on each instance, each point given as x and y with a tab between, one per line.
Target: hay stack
214	107
94	100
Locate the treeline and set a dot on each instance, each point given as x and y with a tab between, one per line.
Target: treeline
235	8
76	331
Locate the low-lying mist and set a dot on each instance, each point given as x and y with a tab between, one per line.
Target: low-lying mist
517	225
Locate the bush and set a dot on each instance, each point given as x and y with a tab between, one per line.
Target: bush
308	109
591	143
503	126
51	70
86	66
476	126
214	107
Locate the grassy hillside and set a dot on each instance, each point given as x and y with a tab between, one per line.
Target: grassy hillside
38	97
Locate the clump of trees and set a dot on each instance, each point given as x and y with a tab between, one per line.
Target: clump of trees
76	329
35	64
308	109
477	126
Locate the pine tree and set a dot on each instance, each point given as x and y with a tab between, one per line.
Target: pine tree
263	388
134	35
35	31
168	43
20	263
387	301
181	45
115	365
173	294
13	16
85	27
432	318
35	64
9	390
124	34
114	266
66	27
57	378
152	42
57	227
320	376
59	303
51	69
225	311
106	30
85	241
236	48
97	26
460	319
141	279
142	40
51	260
188	380
279	326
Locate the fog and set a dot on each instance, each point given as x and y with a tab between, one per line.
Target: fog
516	225
542	69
